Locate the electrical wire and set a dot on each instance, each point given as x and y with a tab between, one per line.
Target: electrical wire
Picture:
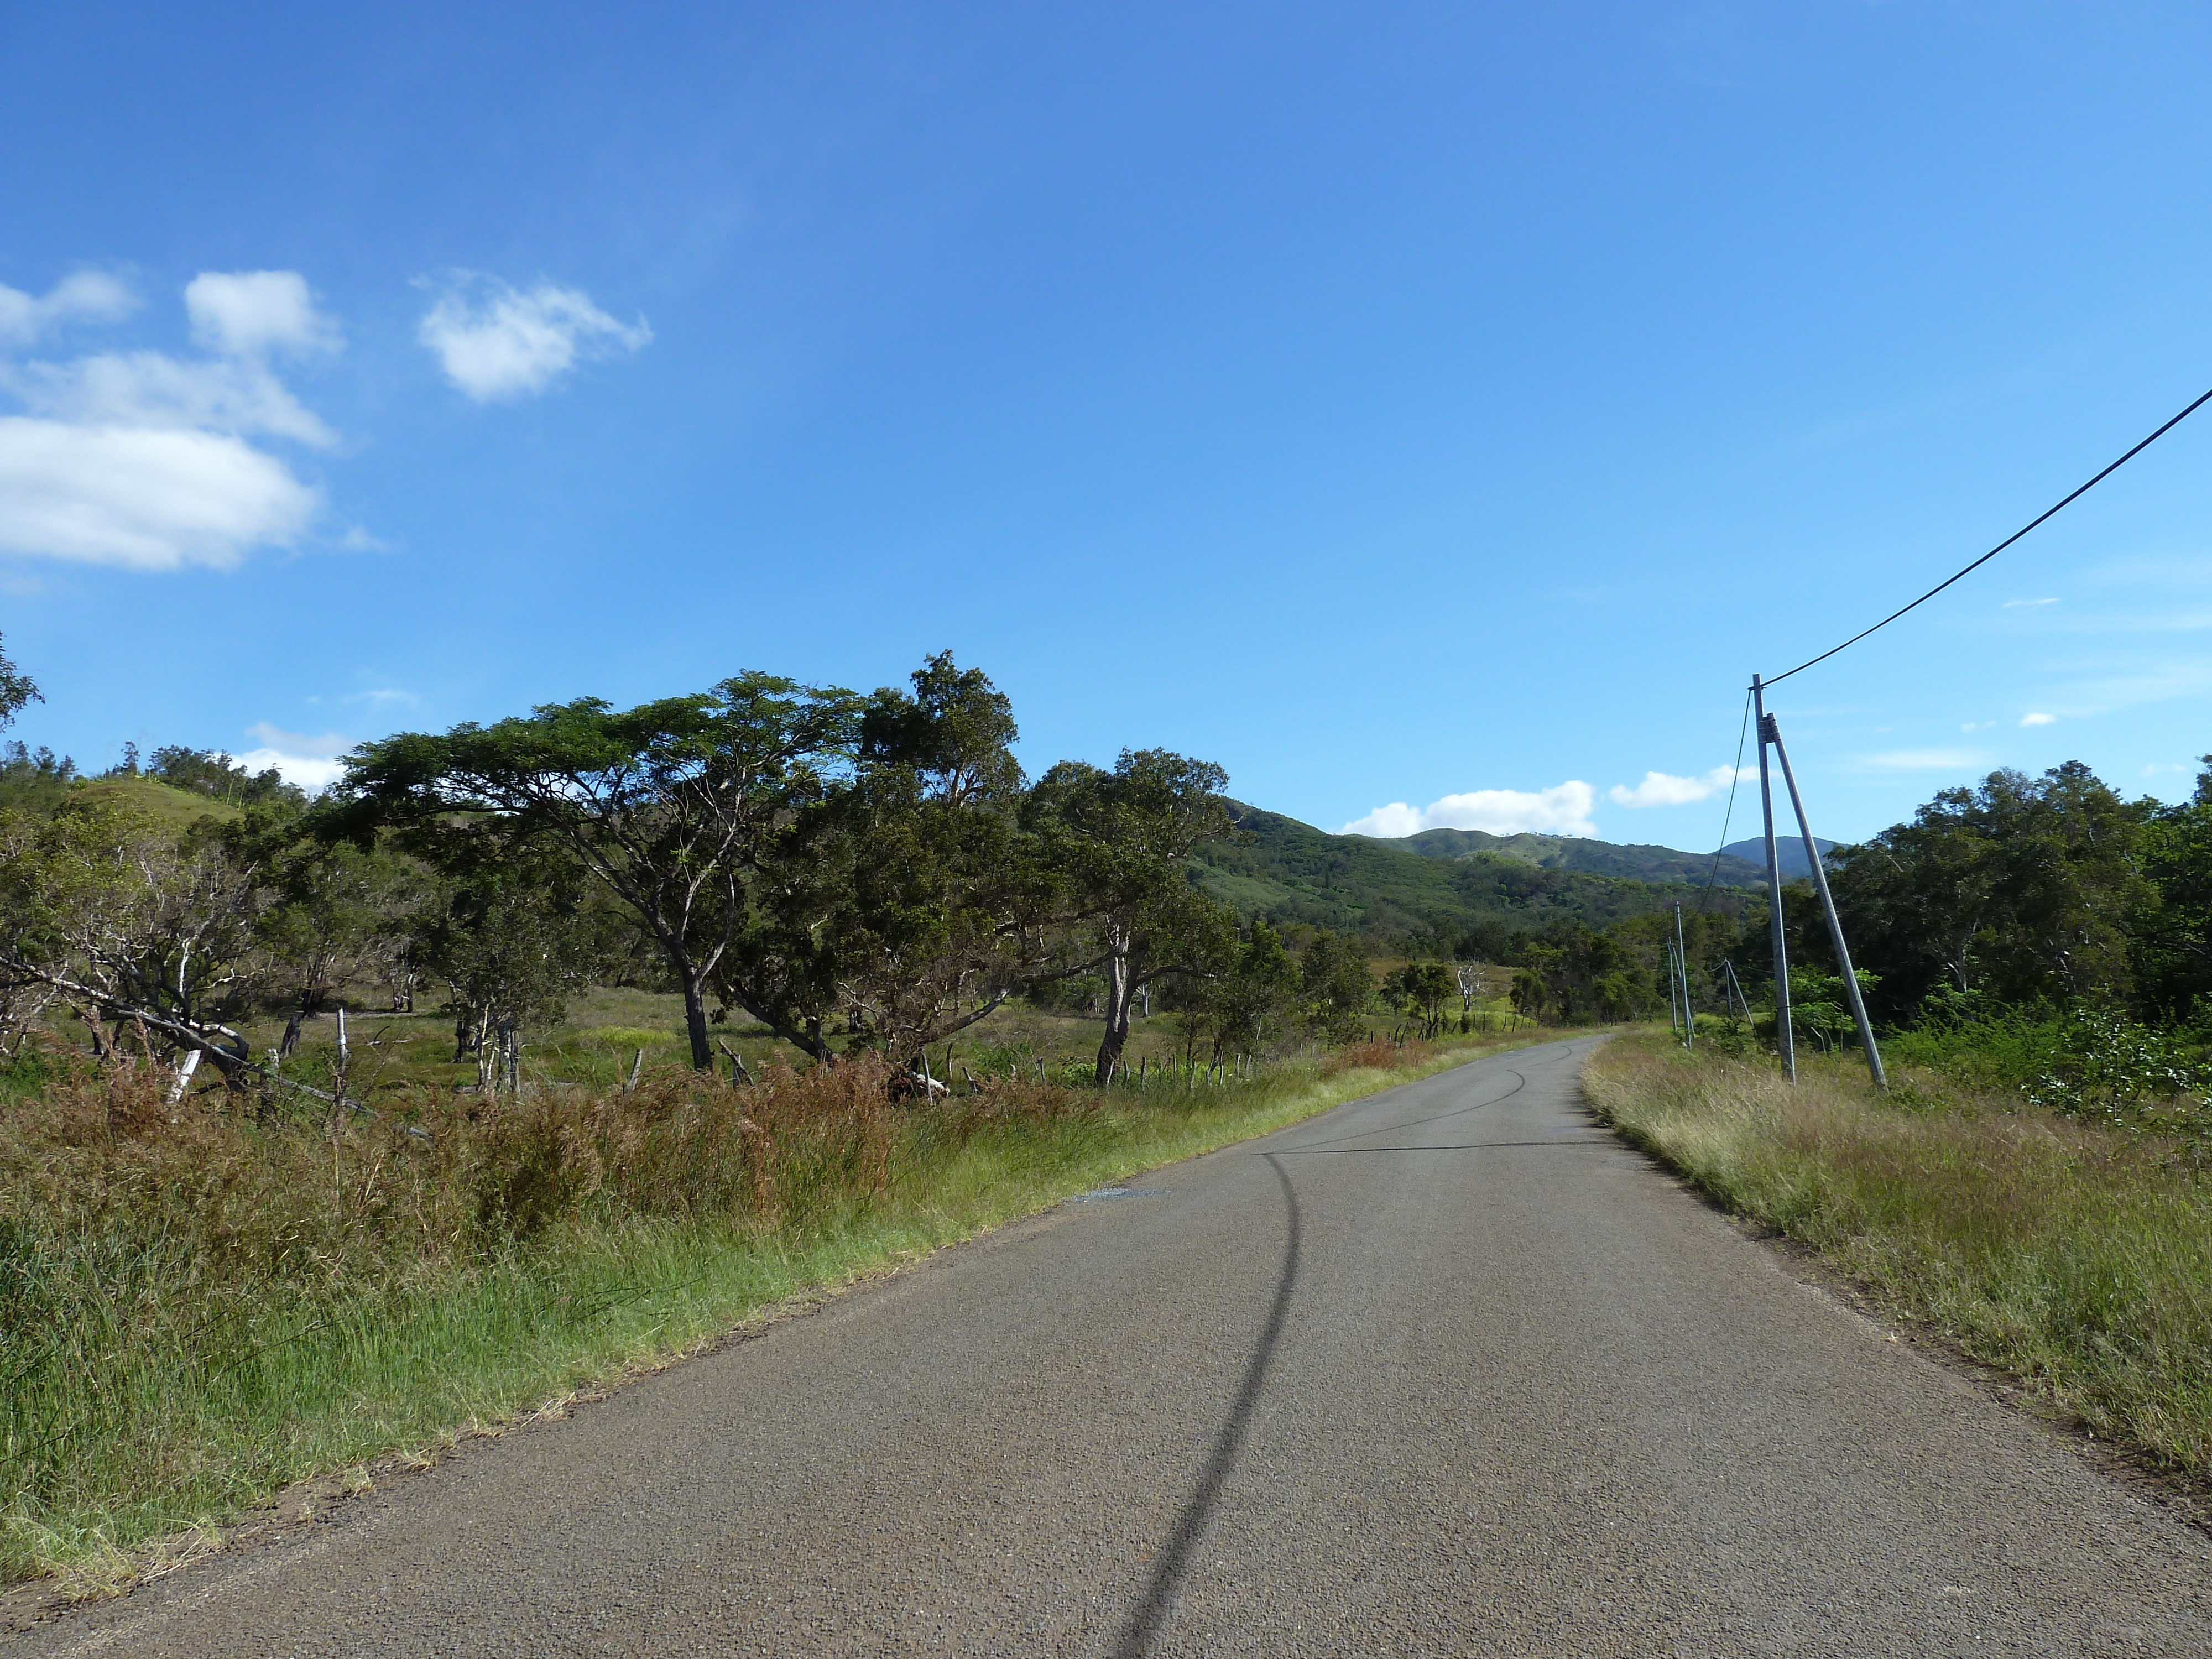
2001	545
1736	776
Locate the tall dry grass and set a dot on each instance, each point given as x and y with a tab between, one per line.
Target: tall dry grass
2078	1258
198	1305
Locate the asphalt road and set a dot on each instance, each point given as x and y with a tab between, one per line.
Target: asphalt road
1447	1371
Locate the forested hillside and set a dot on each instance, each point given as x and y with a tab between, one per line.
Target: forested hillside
1419	896
1737	868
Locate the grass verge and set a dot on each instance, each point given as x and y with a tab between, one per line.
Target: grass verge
200	1308
2075	1258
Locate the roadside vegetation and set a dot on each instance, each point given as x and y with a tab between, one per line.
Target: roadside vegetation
538	1052
2054	1242
204	1305
2037	1184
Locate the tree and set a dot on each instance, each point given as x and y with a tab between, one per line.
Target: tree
212	773
335	914
673	805
132	924
1256	999
1119	843
2171	933
511	938
1419	988
937	907
17	690
1338	984
1573	974
2020	889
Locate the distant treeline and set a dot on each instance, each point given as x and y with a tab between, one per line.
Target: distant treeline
2020	898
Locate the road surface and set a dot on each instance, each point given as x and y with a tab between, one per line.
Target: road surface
1448	1371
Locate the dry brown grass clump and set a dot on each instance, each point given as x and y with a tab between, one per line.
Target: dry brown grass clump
1378	1054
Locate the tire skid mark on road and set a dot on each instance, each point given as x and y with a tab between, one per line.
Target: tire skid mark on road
1520	1083
1163	1587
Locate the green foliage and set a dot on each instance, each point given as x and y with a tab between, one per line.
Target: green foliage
1338	986
1419	989
2022	888
211	772
1574	976
926	904
1650	864
675	806
1118	846
2131	1078
121	918
1818	1008
2172	926
1253	1003
1477	905
17	689
34	781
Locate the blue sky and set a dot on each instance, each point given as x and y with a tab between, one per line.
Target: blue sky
1444	406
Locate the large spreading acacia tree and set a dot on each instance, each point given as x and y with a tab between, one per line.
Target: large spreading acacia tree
1120	842
909	899
673	805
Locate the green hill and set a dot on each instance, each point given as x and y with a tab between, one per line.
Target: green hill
1438	895
1599	858
41	795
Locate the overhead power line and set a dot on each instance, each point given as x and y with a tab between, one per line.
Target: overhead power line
1735	775
2001	546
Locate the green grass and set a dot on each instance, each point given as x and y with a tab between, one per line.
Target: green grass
201	1311
2076	1258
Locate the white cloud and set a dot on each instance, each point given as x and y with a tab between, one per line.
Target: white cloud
2026	605
251	314
143	498
2038	719
311	763
147	461
1562	809
383	696
496	341
1662	789
147	389
91	294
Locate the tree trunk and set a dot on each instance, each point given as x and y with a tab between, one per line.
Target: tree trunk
695	1020
1119	995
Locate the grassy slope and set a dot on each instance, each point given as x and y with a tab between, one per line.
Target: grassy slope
370	1364
176	807
2075	1259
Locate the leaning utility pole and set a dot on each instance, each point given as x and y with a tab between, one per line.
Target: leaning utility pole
1783	1038
1770	732
1682	956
